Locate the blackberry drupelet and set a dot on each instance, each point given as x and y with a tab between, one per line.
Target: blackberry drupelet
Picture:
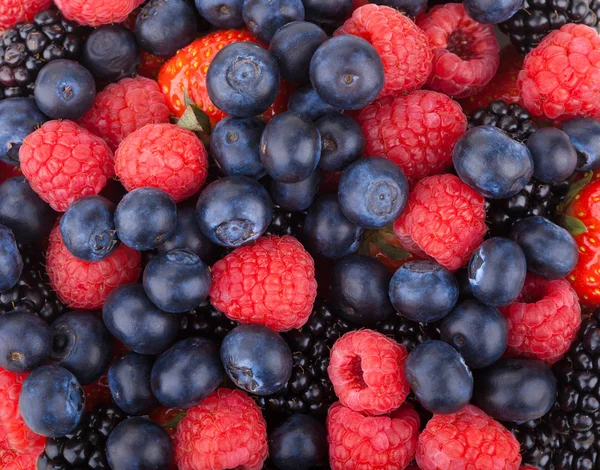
205	321
511	118
407	332
286	223
538	442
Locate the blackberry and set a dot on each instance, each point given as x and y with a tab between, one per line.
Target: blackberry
538	440
205	321
286	223
407	332
511	118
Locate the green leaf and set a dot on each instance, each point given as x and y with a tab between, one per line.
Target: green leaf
573	225
195	120
174	421
394	252
574	189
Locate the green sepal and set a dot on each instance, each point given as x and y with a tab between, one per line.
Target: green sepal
573	225
172	423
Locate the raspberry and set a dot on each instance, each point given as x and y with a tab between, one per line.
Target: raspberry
226	430
403	47
544	320
11	460
80	284
465	52
64	162
367	372
560	76
417	132
371	442
444	219
467	439
124	107
16	11
97	12
270	282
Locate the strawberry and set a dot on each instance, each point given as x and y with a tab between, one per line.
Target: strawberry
150	65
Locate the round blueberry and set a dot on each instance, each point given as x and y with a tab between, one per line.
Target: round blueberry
553	153
11	263
492	11
257	359
129	383
19	118
51	401
111	53
243	79
409	7
222	14
464	285
64	89
307	103
187	373
347	72
233	211
327	9
296	197
342	141
585	135
299	443
264	17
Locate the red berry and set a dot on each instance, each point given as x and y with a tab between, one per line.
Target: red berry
97	12
150	65
15	11
11	460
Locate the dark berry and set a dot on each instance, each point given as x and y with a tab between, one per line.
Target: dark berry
511	118
264	17
19	117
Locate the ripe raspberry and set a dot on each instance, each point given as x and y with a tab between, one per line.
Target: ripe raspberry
417	131
444	219
16	11
97	12
560	76
226	430
11	460
270	282
64	162
467	439
124	107
371	442
403	47
465	52
367	372
544	320
80	284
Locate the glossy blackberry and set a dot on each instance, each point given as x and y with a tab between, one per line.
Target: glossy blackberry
511	118
84	448
205	321
286	223
539	442
407	332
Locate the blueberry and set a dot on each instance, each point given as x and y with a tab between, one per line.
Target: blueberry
111	53
553	153
25	341
497	271
549	249
134	320
51	401
257	359
585	135
129	383
327	231
234	144
233	211
477	331
23	211
187	373
163	27
516	389
293	45
327	9
19	118
439	377
464	285
81	344
141	444
347	72
264	17
492	163
307	103
423	291
342	141
145	218
11	263
64	89
88	228
410	7
243	79
223	14
300	443
492	11
296	197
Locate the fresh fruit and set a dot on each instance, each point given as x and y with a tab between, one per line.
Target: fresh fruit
26	341
188	236
323	10
11	262
512	118
15	11
554	155
300	442
129	383
342	141
223	14
584	133
296	197
491	11
96	12
265	17
20	117
306	102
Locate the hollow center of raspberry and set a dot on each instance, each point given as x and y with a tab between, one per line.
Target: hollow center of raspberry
532	294
459	43
356	372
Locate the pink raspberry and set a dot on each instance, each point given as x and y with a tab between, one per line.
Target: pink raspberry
97	12
11	460
15	11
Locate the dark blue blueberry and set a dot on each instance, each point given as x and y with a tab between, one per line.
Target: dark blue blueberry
410	7
111	53
51	401
265	17
549	249
234	144
306	102
477	331
554	155
318	10
23	211
187	373
64	89
585	135
492	11
497	271
243	79
347	72
163	27
223	14
464	285
134	320
516	389
327	232
300	443
296	197
140	444
25	341
129	383
359	290
19	118
257	359
439	377
290	148
233	211
88	228
145	218
373	192
11	263
492	163
293	45
342	141
423	291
